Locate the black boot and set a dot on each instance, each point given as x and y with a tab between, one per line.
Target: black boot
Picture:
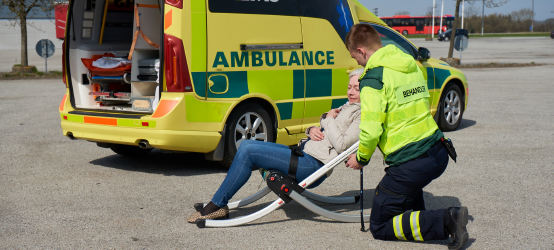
455	221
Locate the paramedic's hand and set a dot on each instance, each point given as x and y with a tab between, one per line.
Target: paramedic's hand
316	134
333	113
352	163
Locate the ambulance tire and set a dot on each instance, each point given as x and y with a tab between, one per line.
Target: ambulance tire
451	101
129	151
254	110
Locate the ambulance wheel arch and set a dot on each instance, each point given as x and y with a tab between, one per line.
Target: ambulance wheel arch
451	106
252	119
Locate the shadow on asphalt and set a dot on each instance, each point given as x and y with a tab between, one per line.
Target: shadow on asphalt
295	211
156	162
466	123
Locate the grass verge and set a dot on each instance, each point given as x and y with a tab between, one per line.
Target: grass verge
496	65
34	75
478	35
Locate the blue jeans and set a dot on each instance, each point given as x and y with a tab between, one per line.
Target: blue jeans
266	155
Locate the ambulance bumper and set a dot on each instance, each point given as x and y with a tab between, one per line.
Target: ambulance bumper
187	141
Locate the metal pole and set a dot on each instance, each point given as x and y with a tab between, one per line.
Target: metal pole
45	53
433	18
463	8
362	198
533	15
461	46
483	19
442	10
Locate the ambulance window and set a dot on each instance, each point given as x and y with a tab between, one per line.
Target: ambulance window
267	7
337	12
389	37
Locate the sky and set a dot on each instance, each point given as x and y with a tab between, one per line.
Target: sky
543	8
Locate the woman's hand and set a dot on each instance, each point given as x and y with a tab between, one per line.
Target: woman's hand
352	163
333	113
316	134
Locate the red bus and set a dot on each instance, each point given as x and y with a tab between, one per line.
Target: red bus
409	25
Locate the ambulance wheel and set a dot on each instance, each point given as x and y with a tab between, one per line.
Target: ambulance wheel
404	32
451	108
127	150
248	122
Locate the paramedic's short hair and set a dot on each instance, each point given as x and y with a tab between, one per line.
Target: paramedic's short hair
357	72
363	35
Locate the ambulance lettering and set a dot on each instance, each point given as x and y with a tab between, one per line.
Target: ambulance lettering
272	58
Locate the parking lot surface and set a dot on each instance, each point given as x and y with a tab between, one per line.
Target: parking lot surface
56	193
496	50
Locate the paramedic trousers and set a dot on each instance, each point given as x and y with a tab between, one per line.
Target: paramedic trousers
401	190
266	155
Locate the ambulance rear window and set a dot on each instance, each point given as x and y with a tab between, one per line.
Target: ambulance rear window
270	7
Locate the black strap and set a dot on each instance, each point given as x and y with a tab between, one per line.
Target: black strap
294	153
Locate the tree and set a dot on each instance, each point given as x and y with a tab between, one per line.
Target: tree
429	11
402	13
522	15
20	9
456	24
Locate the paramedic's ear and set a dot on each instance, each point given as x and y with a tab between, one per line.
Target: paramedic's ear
362	51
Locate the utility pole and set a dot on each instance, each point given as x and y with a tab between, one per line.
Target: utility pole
483	18
532	14
442	10
463	8
433	20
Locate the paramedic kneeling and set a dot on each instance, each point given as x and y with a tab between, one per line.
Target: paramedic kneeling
395	116
340	129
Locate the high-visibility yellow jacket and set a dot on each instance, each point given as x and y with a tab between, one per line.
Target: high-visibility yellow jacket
395	109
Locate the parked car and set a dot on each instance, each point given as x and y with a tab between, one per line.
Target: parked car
446	35
552	34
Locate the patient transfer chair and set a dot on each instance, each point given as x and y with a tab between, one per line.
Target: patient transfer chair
288	190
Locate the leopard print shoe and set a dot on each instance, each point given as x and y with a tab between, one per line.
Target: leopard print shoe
221	213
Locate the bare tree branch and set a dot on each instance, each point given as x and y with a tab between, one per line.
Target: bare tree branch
20	9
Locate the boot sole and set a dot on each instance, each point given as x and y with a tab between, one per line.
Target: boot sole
464	235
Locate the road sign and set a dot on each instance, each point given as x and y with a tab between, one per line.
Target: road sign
460	42
45	48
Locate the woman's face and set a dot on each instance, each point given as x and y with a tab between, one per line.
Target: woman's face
354	89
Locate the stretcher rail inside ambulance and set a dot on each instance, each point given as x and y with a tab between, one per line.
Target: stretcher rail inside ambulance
110	66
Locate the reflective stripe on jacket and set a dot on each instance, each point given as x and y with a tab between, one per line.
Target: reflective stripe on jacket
394	104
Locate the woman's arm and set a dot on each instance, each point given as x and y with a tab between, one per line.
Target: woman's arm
342	141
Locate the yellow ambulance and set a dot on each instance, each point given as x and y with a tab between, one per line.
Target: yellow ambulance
204	75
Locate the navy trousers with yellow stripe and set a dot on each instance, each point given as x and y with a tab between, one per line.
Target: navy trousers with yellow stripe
400	190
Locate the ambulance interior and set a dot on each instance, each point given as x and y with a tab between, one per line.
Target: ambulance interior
100	40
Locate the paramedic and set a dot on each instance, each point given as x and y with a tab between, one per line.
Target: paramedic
395	116
340	129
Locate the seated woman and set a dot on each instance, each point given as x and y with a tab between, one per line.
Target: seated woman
339	130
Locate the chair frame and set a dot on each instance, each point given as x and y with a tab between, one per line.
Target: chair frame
302	199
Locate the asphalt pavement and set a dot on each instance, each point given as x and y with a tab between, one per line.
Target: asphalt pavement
56	193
